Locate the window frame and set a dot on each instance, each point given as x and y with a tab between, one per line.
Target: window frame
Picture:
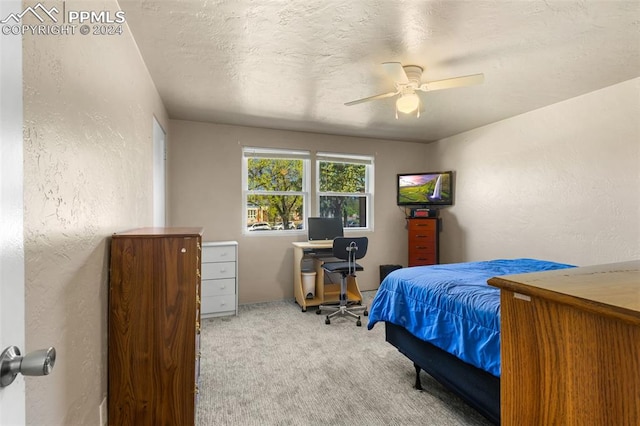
369	184
276	153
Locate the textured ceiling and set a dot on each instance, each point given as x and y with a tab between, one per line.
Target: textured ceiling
293	64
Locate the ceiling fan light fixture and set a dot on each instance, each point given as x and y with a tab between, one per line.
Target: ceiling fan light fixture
408	103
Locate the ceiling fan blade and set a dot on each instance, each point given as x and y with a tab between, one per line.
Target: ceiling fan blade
372	98
450	83
396	71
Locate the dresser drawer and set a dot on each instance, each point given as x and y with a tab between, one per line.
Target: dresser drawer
422	241
213	304
211	271
422	250
422	257
221	287
423	225
218	254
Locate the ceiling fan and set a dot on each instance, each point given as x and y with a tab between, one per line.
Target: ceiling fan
407	80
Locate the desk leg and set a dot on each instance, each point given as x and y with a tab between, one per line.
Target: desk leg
298	254
317	266
353	291
298	291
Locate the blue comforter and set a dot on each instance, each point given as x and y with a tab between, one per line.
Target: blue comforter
452	306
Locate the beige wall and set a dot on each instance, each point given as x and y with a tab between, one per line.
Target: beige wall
88	107
206	190
560	183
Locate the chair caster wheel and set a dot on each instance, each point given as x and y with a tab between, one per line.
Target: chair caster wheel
318	312
359	323
327	321
366	313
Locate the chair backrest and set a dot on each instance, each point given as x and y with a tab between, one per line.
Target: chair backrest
357	246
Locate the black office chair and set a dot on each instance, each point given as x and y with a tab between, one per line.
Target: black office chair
348	250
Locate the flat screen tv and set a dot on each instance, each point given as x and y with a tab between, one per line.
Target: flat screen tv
427	189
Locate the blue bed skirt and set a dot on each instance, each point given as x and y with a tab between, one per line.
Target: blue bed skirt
452	306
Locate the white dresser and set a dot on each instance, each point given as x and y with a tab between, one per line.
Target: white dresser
219	279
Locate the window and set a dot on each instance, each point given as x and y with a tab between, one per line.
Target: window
276	189
345	188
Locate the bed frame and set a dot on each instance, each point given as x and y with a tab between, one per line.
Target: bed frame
478	388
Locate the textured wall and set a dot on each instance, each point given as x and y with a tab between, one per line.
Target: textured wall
205	188
559	183
88	107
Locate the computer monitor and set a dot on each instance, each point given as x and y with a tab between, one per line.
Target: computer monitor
324	228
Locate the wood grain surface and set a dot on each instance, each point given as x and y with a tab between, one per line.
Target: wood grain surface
568	360
423	241
153	319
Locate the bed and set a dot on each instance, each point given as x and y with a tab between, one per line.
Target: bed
446	320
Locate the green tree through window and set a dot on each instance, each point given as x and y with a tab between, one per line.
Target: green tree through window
277	176
344	185
276	188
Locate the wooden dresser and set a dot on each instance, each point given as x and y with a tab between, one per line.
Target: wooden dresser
423	241
154	326
570	342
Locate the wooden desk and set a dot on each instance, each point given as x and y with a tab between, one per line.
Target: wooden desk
570	343
325	293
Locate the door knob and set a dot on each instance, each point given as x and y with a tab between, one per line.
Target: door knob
36	363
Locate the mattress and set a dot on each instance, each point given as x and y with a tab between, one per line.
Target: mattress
452	306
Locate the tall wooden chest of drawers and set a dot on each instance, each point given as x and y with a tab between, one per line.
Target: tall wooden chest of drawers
423	241
569	342
219	278
154	326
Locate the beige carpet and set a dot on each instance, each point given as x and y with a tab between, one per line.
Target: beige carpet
275	365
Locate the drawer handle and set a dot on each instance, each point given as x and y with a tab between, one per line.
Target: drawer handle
224	287
222	270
